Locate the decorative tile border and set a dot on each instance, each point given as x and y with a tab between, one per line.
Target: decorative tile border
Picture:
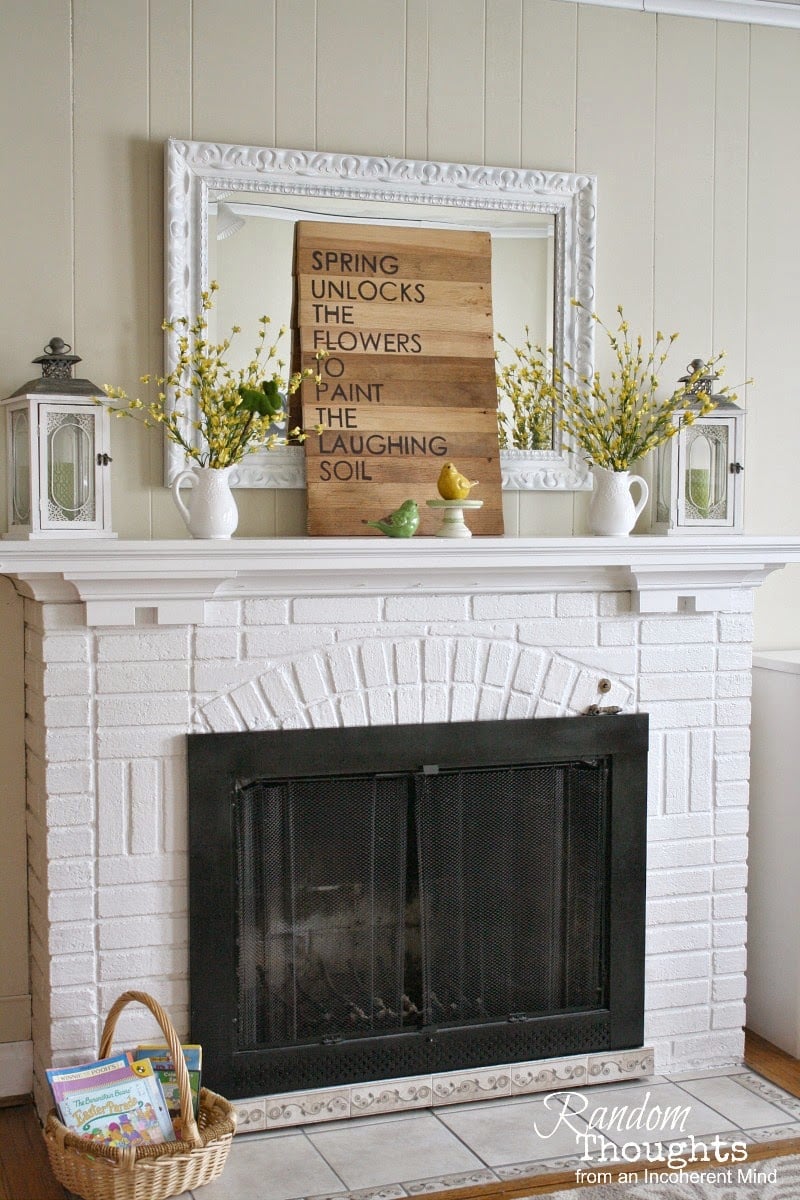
549	1076
622	1064
768	1091
396	1096
389	1191
251	1116
461	1087
443	1183
538	1166
773	1133
431	1091
296	1108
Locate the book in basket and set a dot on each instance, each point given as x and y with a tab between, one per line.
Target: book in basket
77	1079
114	1101
161	1059
123	1112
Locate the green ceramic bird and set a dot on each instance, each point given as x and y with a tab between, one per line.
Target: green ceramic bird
403	522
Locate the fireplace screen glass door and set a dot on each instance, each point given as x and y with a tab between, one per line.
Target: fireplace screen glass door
404	913
433	915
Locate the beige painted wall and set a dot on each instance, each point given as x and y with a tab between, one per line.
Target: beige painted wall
687	124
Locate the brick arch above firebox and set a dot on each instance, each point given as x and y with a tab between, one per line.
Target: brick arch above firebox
403	680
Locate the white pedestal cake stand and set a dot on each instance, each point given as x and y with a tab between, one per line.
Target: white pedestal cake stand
453	524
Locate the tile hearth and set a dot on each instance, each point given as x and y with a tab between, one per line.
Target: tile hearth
405	1154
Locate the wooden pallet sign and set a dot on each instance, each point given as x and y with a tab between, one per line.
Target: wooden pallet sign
404	317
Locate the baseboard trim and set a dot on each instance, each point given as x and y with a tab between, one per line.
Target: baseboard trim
16	1070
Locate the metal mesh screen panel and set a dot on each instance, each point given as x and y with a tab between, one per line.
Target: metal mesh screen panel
321	908
373	904
513	886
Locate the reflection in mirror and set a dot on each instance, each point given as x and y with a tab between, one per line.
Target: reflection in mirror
250	254
231	215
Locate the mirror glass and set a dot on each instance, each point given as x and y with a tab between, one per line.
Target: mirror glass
251	242
231	213
250	251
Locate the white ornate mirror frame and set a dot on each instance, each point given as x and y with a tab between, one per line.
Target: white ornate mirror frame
197	171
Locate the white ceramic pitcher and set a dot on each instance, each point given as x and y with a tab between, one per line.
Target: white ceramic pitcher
612	510
211	510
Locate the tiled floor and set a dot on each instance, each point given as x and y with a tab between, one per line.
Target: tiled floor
414	1153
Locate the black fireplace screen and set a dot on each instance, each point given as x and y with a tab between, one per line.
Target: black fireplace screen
437	897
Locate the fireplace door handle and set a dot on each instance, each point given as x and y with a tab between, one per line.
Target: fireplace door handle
326	887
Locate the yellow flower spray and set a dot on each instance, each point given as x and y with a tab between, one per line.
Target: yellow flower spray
235	412
617	424
529	387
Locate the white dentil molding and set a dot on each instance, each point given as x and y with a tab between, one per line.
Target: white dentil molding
751	12
170	582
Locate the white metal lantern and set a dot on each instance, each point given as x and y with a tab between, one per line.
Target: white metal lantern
699	486
58	453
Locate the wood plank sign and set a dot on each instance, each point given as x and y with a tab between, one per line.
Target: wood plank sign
404	318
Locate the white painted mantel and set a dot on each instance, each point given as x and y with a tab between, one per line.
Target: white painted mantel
170	582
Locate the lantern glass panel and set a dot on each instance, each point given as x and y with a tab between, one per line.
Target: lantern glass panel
70	466
664	475
706	478
21	467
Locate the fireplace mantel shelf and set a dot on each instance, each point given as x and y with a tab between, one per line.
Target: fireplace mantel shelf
175	579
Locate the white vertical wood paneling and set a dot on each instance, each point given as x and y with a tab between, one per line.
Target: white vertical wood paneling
112	227
684	187
731	174
169	115
233	61
542	514
36	199
295	73
773	284
615	141
416	50
456	80
549	72
361	76
503	115
616	119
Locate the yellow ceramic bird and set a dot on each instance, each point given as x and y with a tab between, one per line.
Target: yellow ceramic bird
452	484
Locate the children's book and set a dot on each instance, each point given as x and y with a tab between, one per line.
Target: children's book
77	1079
126	1113
161	1059
143	1068
192	1054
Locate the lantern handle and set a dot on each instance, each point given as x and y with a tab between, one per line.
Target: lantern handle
57	345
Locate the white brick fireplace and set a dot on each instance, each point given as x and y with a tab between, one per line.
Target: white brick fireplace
130	646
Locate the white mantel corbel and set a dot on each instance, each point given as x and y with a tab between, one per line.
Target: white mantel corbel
170	582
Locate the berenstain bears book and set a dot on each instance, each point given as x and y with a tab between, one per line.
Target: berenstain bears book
161	1059
127	1112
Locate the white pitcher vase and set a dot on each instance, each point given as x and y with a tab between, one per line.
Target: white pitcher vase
612	511
210	510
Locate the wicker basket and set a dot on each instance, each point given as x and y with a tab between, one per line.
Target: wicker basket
151	1172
